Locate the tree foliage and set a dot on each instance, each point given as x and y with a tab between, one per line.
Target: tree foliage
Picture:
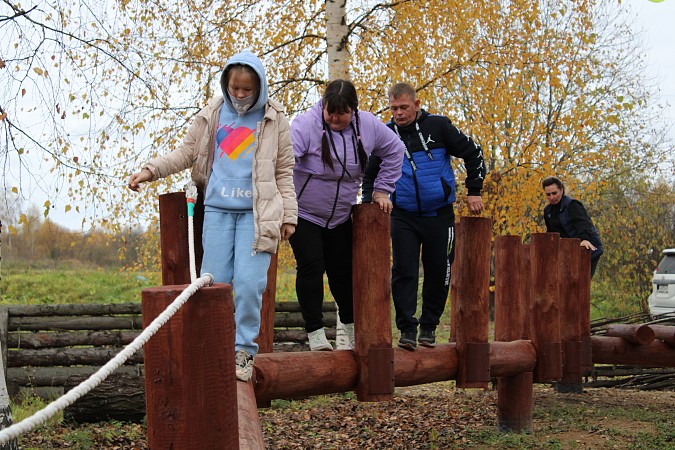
92	90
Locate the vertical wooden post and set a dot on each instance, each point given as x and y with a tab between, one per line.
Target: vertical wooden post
454	277
473	303
190	384
585	310
266	336
570	330
514	393
173	223
544	317
372	307
525	291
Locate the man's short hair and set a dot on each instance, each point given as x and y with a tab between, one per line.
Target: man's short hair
400	89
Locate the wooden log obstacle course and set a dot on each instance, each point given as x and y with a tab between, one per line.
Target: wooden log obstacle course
542	334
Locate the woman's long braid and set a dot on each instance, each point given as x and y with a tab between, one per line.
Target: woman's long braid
363	157
325	148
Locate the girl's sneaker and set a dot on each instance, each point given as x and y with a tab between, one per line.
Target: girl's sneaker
244	365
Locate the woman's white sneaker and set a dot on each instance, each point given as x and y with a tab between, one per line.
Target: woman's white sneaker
318	341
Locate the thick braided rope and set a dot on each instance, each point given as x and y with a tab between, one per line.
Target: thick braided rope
95	379
191	197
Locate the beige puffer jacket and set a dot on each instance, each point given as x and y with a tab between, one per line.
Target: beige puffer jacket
274	201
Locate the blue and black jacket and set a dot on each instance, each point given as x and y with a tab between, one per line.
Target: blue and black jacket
427	183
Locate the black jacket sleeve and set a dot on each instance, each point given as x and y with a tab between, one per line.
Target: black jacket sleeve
580	220
462	146
372	169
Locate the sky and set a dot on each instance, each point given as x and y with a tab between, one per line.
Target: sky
658	22
653	21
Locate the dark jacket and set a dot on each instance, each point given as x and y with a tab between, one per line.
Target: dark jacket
570	219
427	182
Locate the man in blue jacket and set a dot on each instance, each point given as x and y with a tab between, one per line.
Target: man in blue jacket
423	215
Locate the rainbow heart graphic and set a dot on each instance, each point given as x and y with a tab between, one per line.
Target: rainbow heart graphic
234	141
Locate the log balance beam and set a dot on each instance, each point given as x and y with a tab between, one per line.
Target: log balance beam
542	334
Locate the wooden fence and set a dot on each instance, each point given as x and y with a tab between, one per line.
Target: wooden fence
49	348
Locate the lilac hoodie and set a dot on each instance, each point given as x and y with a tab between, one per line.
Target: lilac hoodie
325	196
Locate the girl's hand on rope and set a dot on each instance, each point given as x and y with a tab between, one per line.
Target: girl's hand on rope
138	178
287	231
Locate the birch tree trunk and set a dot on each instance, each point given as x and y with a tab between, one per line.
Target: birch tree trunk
5	411
336	39
338	67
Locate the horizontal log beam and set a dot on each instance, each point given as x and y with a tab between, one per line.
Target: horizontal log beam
105	309
71	338
75	323
635	334
614	350
299	336
295	319
665	333
85	309
250	431
118	397
301	374
67	357
425	365
57	376
295	306
508	359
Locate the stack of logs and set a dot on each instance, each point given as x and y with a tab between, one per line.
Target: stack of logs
48	349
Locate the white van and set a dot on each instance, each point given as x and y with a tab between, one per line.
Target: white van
662	299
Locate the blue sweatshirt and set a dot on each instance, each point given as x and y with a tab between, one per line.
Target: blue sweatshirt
230	185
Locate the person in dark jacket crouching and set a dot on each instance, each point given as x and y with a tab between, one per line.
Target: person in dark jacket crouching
422	215
568	217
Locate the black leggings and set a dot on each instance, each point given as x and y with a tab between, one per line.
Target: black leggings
317	250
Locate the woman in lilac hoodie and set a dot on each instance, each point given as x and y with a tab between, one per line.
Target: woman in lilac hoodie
331	143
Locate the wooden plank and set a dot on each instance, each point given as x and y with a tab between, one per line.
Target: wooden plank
75	323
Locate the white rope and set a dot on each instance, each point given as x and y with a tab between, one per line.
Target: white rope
191	195
191	247
95	379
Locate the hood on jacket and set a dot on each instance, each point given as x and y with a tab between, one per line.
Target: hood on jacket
247	58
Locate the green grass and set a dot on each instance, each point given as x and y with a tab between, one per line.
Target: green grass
24	284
